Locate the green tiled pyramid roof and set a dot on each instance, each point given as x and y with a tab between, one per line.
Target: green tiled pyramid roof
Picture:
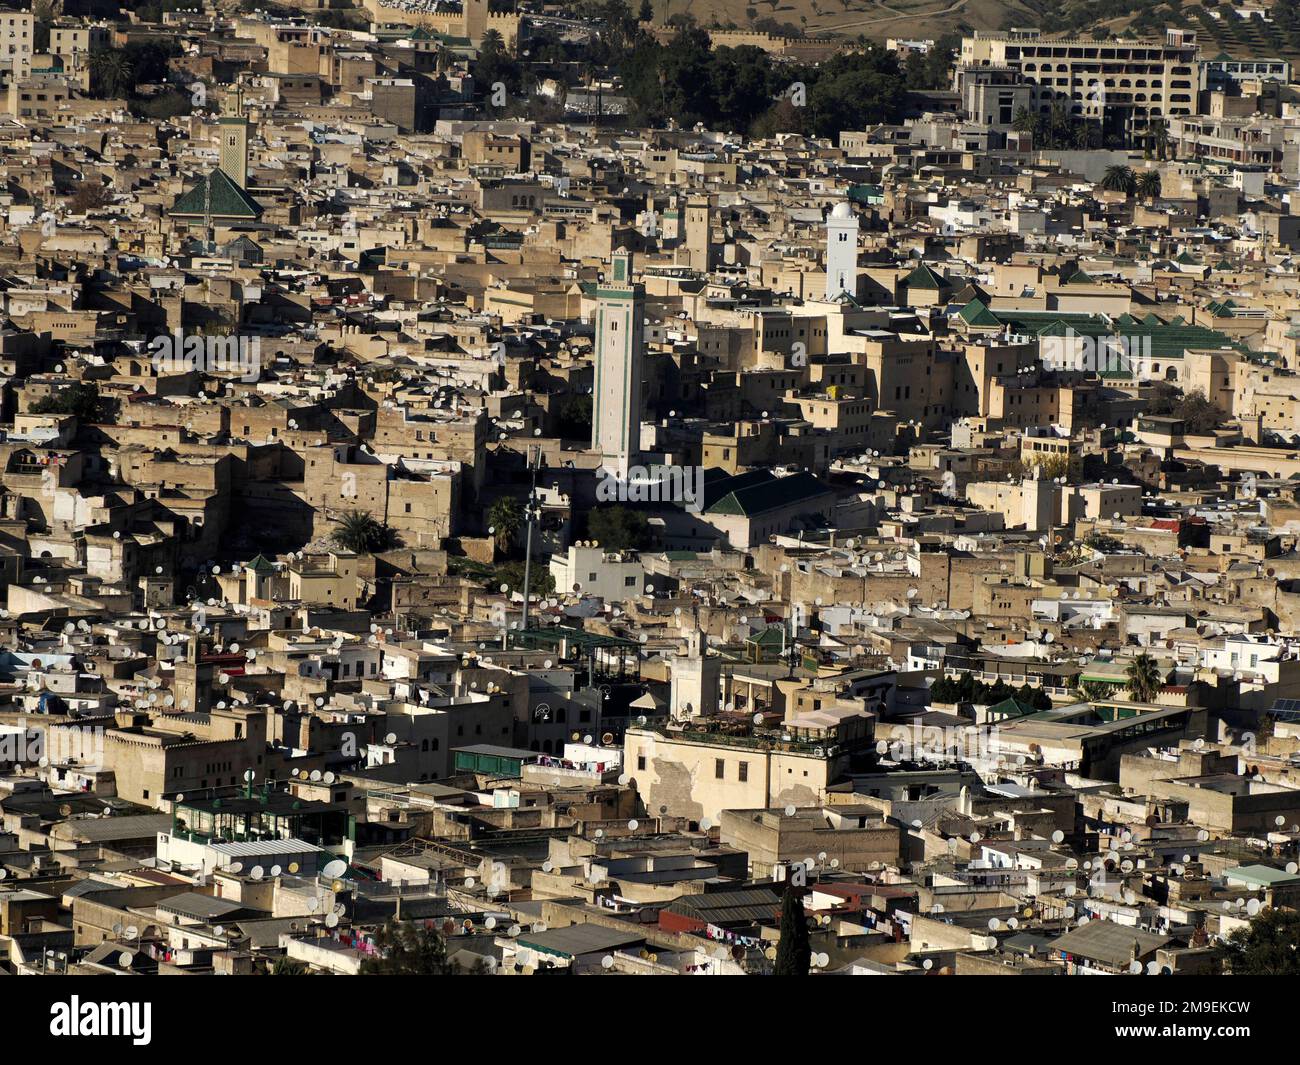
977	313
924	277
228	199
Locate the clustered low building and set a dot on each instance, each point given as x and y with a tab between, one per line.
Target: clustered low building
577	539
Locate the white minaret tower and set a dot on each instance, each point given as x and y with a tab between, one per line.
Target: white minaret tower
694	680
841	251
619	357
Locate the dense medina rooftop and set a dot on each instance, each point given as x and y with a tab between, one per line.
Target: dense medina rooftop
515	490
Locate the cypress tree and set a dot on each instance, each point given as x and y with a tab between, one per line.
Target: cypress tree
793	951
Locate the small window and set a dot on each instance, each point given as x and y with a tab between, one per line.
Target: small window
719	767
744	772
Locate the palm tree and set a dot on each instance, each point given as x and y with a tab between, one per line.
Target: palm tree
1119	179
358	531
111	73
1092	691
1158	136
1148	185
505	519
1144	680
1024	121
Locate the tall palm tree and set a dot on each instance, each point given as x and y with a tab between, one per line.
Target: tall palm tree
360	532
1024	121
1119	179
1144	680
1158	135
1148	184
111	72
505	519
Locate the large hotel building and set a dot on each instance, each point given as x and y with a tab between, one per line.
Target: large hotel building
1121	84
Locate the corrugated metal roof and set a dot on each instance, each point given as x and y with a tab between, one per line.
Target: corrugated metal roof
254	848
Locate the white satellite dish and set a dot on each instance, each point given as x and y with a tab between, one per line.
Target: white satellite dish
334	869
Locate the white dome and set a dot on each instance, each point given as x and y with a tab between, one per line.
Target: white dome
842	210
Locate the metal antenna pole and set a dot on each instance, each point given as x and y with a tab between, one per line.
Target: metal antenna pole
530	509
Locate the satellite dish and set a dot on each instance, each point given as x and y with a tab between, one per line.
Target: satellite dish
334	869
257	872
332	920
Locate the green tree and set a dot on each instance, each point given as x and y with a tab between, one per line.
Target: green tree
80	398
43	12
1158	137
647	12
505	519
1119	179
288	967
540	581
1035	697
1143	676
1193	409
359	531
1024	120
111	74
619	528
1268	946
575	418
793	949
1148	185
1091	691
408	948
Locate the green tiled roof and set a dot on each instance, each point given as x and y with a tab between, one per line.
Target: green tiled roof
977	313
1010	707
924	277
759	491
228	200
772	636
1167	339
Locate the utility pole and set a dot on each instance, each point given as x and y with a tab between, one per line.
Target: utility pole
531	512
